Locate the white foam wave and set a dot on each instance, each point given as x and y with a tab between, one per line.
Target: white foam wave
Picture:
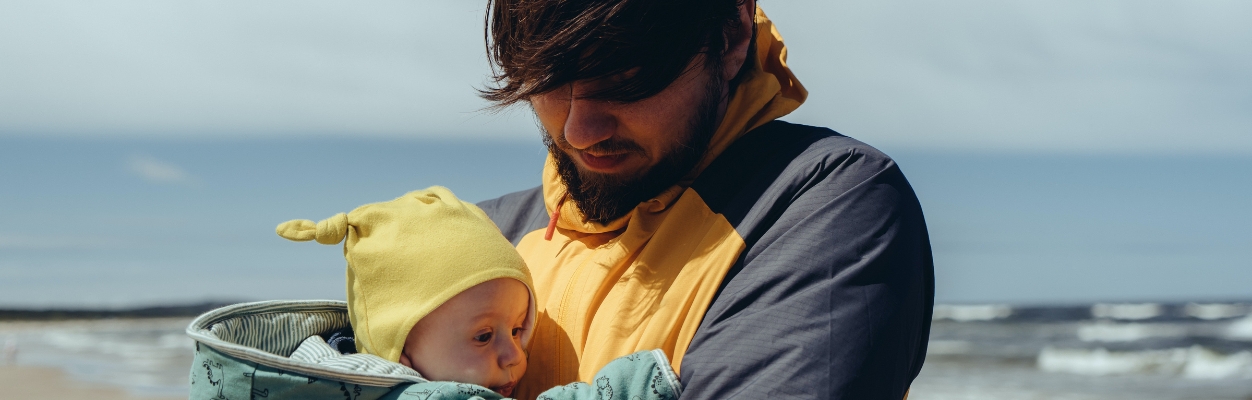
963	313
1205	364
1126	311
1241	329
1104	331
1194	362
1215	311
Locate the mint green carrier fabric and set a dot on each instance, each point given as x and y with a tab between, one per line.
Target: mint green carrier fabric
243	352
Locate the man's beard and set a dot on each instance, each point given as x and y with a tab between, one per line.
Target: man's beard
603	198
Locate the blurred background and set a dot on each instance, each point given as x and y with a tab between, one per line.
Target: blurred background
1085	169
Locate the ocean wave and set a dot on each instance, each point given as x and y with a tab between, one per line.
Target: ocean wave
1215	311
147	357
1126	311
1241	329
1104	331
965	313
1195	362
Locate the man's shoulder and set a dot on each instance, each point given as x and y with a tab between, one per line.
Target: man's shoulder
782	160
817	144
517	213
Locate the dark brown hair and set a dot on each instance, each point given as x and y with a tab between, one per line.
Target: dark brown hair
635	48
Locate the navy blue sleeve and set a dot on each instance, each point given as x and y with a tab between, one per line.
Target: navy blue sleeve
832	297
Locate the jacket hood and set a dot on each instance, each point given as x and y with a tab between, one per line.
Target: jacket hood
768	92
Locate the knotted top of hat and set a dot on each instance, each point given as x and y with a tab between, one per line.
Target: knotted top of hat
408	256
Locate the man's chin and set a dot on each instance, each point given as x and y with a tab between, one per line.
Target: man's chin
603	178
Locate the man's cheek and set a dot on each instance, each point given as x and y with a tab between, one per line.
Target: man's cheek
551	113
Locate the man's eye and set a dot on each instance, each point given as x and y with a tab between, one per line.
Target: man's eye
483	337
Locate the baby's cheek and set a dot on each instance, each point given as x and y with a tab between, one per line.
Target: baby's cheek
467	369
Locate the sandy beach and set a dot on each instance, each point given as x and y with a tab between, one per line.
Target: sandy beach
22	382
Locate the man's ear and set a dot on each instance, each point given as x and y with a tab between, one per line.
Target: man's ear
739	41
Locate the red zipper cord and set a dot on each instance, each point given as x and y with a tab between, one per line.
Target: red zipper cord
556	214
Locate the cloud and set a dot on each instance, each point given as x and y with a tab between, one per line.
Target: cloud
1121	76
1141	76
237	67
157	171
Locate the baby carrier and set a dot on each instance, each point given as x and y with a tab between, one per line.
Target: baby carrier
258	351
274	350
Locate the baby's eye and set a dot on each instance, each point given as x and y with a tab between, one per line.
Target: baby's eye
483	337
517	332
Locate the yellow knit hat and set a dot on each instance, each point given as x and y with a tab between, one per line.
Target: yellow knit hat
408	256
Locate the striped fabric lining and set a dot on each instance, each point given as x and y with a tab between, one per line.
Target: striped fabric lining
276	332
315	350
268	332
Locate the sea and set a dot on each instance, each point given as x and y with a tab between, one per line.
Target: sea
1098	351
90	223
1146	351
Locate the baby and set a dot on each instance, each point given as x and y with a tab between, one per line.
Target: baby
433	285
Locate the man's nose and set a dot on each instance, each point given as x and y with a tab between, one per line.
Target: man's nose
589	122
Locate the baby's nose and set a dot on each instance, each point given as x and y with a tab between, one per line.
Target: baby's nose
511	355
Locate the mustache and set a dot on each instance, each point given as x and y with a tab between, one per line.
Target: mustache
611	145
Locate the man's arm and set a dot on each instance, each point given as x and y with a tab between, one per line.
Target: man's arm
832	296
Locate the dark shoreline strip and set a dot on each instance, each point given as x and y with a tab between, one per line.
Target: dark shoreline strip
58	314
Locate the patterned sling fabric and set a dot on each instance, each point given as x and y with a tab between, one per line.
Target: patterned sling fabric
284	335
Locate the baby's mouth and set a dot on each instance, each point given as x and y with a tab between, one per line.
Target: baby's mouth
505	390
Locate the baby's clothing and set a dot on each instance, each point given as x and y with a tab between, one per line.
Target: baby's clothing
343	340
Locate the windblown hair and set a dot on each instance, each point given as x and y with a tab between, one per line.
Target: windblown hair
633	49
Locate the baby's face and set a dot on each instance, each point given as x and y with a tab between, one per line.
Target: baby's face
474	337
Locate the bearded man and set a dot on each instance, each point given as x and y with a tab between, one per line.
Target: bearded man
767	259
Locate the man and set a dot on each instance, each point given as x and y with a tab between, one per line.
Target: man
767	259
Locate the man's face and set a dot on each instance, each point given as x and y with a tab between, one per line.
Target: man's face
614	155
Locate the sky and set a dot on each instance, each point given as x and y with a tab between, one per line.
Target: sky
1064	151
1125	76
